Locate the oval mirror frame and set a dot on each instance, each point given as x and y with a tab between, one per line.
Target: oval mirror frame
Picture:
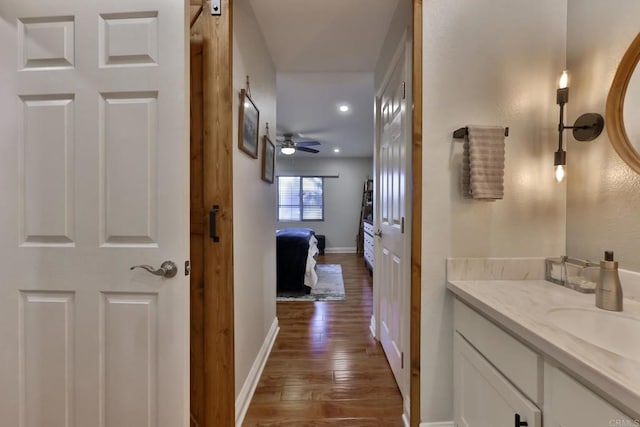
615	104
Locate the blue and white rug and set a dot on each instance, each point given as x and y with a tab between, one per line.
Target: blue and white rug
330	286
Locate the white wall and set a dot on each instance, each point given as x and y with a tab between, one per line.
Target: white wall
493	63
254	220
342	196
603	196
400	22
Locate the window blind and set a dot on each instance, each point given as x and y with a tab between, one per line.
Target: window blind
300	198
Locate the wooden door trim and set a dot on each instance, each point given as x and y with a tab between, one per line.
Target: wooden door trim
416	215
196	333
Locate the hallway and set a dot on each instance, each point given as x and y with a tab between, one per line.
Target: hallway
325	368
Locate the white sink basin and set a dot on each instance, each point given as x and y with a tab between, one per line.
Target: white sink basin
612	331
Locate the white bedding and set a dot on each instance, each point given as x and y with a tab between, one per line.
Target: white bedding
310	276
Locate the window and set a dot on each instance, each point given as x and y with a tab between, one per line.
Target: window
300	198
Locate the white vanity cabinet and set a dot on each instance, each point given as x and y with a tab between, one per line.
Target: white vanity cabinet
483	395
570	404
497	377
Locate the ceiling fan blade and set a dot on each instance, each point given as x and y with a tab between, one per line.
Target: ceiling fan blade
307	150
307	143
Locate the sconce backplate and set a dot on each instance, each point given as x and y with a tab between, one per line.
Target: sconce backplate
588	127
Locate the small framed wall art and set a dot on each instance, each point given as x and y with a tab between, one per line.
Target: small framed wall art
268	159
248	123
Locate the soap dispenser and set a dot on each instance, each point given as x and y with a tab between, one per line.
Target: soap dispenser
608	288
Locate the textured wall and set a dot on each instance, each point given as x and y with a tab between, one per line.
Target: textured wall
494	63
342	196
254	200
603	193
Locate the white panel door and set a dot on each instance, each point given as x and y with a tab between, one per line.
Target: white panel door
94	180
393	243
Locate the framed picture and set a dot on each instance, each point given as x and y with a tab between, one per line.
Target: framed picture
268	159
248	122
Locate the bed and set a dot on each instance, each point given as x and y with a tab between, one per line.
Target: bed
296	251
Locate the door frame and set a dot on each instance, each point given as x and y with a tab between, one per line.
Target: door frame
218	302
416	214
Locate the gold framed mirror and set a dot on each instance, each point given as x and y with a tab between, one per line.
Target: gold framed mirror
621	104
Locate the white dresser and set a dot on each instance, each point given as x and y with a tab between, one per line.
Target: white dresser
368	243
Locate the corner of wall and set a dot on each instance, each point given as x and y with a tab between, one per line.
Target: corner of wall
253	200
479	80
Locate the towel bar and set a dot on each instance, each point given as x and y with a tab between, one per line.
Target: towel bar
462	132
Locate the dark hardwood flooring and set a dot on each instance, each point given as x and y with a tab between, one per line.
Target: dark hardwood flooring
325	367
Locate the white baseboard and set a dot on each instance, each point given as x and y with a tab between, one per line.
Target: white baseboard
440	424
372	326
406	410
250	384
340	250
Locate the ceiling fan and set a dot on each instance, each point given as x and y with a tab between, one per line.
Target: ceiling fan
288	146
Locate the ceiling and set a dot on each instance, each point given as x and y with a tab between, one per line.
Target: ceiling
325	52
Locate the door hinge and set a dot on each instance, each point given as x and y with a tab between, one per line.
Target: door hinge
216	8
187	267
404	90
402	360
402	226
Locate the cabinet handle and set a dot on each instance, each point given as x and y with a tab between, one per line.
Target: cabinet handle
520	423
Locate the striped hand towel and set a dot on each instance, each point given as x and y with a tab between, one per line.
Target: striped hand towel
483	163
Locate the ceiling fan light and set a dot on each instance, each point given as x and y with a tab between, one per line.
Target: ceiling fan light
287	151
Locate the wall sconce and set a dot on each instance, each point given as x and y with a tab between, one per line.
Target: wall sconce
586	128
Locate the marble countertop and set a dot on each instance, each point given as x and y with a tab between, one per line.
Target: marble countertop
521	306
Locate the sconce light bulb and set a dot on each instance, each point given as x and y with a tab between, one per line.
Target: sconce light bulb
564	80
560	173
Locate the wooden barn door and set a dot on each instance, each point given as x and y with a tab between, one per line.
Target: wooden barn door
212	332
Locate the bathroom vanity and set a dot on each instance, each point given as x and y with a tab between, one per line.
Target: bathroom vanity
530	351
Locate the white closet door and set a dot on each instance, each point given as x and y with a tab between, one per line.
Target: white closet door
94	175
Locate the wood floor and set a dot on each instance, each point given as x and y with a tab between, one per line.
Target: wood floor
325	368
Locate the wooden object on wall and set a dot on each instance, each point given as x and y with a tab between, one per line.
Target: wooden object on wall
416	216
213	378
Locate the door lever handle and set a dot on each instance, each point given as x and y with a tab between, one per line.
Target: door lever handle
378	233
168	269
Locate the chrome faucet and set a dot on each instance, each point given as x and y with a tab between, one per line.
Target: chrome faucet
608	288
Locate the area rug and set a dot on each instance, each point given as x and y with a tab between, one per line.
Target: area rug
330	286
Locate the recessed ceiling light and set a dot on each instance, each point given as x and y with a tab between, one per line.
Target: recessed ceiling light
343	108
336	150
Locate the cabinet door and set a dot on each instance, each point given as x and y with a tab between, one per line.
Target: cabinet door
482	396
570	404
